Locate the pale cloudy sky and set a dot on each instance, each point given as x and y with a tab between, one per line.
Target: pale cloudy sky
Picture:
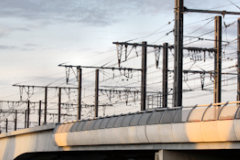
37	35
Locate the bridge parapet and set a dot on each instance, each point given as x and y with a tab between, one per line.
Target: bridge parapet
212	112
206	123
197	127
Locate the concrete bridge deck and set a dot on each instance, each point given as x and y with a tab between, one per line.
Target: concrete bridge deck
179	129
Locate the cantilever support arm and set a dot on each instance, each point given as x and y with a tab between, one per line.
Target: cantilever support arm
223	12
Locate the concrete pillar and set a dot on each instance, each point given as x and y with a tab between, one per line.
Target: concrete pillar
192	155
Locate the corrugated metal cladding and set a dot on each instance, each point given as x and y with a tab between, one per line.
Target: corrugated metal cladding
163	116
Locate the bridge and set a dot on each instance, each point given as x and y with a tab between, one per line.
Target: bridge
196	132
201	132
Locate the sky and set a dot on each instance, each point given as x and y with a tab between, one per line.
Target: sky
36	36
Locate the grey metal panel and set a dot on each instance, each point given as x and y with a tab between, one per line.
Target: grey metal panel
228	112
98	123
185	114
237	116
168	116
156	117
209	114
118	122
178	116
91	127
144	118
88	125
111	122
74	127
197	113
56	129
104	123
135	120
81	125
126	120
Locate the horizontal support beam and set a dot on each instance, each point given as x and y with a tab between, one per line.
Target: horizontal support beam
137	44
199	49
169	47
83	105
95	67
203	72
23	112
37	86
223	12
126	91
63	104
10	101
11	111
